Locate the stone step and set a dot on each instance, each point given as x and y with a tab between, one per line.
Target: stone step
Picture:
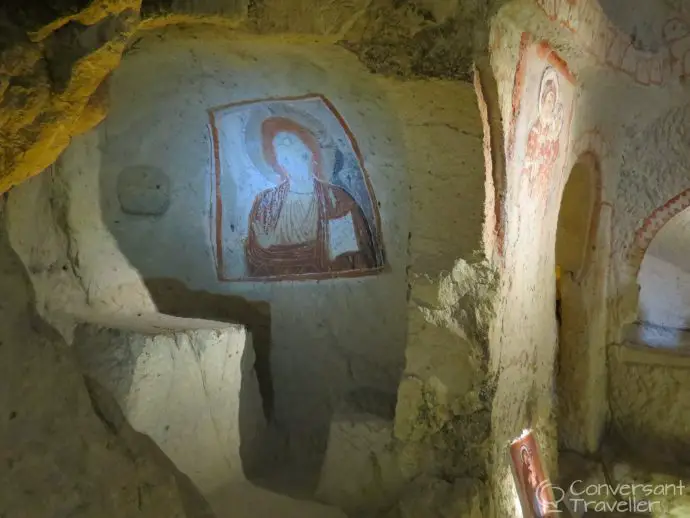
188	384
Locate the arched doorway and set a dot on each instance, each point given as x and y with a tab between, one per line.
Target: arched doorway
578	293
663	311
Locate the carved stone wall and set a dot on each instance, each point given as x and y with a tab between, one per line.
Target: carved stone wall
54	445
54	62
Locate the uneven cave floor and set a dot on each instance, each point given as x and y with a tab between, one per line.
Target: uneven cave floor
619	462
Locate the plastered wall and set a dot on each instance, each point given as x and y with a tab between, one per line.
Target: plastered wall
638	153
651	183
524	336
647	366
525	348
649	399
644	185
631	100
328	337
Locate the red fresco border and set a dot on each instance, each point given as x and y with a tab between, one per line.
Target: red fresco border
653	223
525	41
219	200
491	173
544	51
219	203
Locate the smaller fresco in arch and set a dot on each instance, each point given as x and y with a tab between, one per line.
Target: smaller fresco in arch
542	124
291	198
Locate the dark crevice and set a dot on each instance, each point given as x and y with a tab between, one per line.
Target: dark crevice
73	41
31	15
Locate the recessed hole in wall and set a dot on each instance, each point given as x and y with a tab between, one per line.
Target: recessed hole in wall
143	190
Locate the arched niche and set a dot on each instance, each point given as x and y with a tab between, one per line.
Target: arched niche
664	287
149	189
579	295
576	219
150	178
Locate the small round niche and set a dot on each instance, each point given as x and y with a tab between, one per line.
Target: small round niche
143	191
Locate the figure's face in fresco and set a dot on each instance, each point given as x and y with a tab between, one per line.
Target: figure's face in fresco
527	461
547	109
295	157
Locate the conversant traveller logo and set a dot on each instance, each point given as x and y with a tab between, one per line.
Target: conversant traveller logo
581	497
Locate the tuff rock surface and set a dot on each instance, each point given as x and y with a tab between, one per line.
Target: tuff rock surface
52	444
55	60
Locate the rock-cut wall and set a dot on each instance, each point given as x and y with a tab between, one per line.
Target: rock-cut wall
54	60
53	447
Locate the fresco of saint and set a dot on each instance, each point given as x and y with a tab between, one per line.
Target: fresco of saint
290	198
529	479
535	491
543	140
304	224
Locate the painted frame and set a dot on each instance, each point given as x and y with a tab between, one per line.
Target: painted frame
256	153
545	155
532	484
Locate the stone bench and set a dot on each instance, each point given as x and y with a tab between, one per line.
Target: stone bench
188	384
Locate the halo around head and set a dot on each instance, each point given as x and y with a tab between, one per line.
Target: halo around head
253	137
549	81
